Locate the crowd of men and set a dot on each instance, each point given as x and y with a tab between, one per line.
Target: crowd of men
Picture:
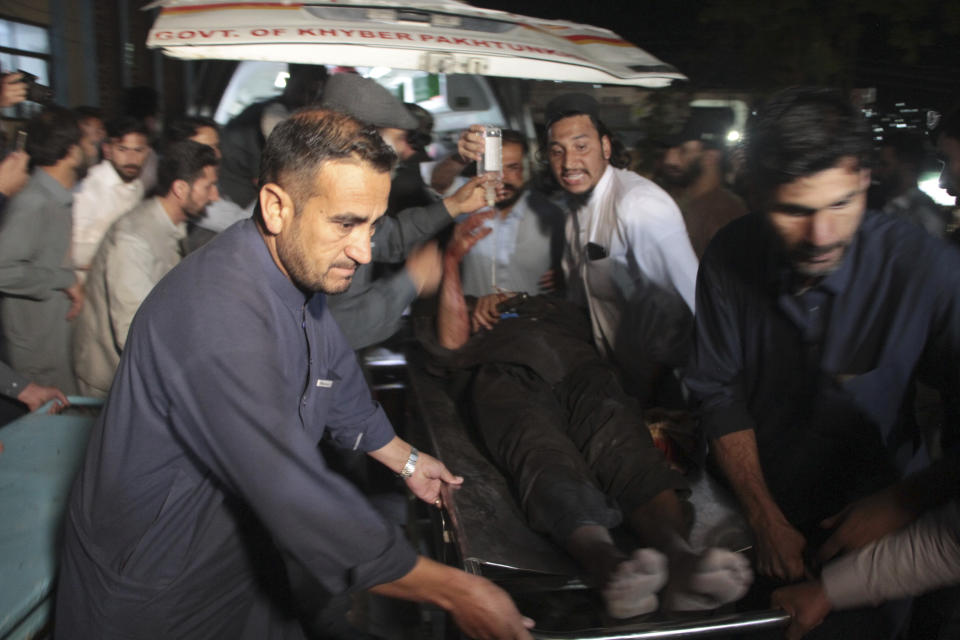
222	329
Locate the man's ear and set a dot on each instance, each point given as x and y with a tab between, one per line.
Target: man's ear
864	179
180	188
75	153
607	147
106	149
276	207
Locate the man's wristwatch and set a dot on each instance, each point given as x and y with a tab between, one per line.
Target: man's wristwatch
411	464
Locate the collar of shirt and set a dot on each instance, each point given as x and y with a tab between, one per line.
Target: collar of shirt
176	231
519	207
281	284
110	178
49	184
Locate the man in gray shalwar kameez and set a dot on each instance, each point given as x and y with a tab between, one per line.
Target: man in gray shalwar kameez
41	294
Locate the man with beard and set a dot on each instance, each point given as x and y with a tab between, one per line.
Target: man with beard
136	252
111	188
372	310
692	172
813	316
204	508
523	250
628	258
41	293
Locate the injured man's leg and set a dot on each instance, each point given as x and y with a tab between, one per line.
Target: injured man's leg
689	580
582	465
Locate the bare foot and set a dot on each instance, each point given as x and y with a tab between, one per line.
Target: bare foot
699	582
631	589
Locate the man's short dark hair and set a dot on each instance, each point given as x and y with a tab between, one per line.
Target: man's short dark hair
87	112
513	136
51	134
300	146
184	160
186	127
800	132
125	125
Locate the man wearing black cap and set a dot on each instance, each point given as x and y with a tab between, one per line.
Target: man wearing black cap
692	173
628	257
371	311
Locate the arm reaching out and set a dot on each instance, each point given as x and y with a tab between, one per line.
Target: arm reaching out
453	321
469	147
893	508
779	545
480	608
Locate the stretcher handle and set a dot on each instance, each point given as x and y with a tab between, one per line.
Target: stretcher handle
75	401
703	628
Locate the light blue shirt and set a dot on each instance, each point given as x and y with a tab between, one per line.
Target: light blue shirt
522	246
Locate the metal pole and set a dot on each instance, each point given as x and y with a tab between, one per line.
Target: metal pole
735	623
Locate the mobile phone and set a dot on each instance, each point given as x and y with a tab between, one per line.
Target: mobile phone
596	251
21	143
511	305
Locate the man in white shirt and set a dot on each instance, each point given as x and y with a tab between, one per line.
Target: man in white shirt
137	251
523	250
628	257
111	188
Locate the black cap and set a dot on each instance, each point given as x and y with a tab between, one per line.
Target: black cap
706	125
570	104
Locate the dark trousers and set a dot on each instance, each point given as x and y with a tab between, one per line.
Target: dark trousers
578	452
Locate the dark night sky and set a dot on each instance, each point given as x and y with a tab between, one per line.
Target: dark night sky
908	49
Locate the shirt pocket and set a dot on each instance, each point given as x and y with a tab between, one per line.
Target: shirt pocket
607	279
316	403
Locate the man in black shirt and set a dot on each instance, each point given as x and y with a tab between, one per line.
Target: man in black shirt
813	315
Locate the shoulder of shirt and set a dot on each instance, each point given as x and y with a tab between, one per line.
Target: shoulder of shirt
900	241
99	175
539	202
220	277
34	195
629	187
141	217
742	241
644	207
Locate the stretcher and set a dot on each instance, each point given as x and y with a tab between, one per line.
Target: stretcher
41	455
482	530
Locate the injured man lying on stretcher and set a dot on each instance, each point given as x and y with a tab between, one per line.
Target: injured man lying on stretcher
555	418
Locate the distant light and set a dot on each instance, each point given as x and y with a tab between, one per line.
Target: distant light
930	185
280	82
733	135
